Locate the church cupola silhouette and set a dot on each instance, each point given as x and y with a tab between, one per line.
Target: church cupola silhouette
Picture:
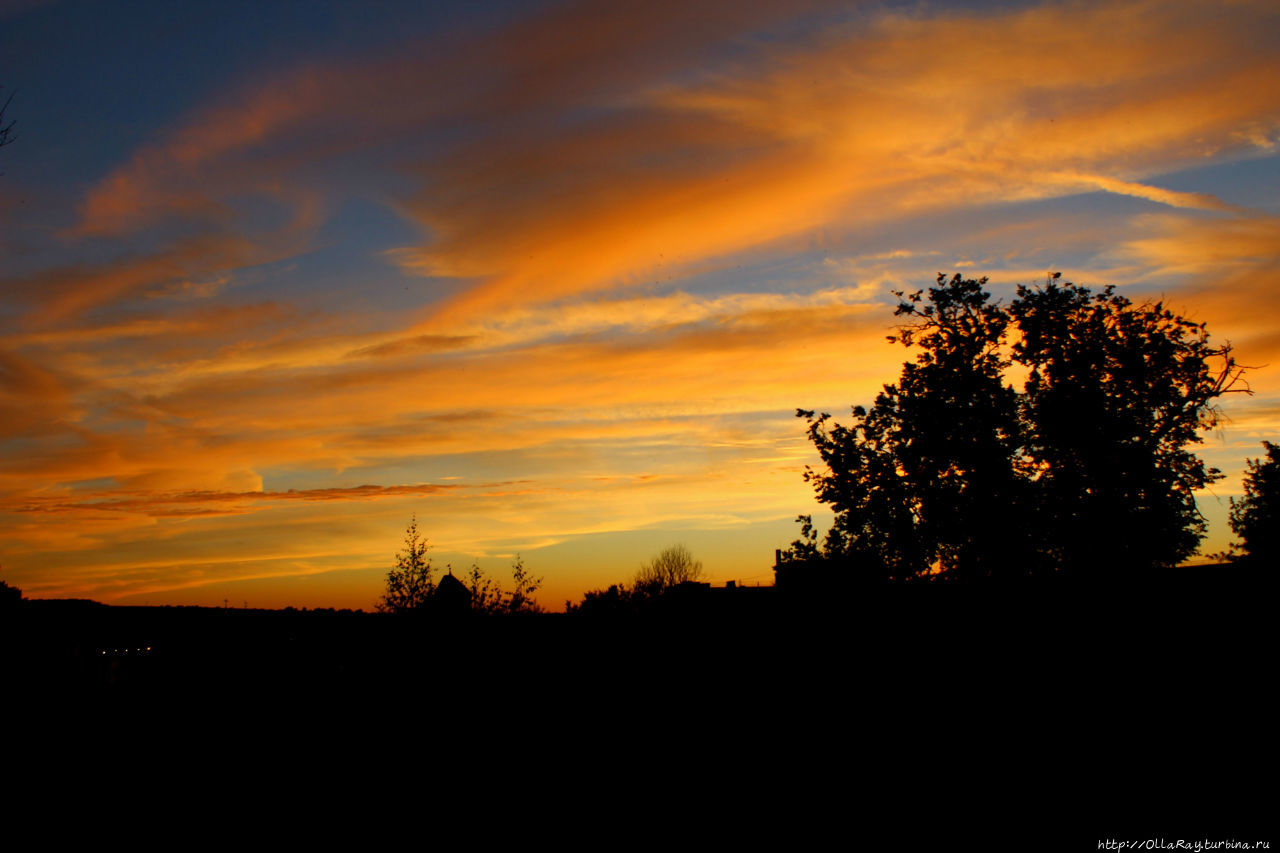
452	596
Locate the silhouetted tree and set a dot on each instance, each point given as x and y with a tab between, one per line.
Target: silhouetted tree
1255	518
486	595
489	598
1116	394
411	584
928	480
523	586
672	566
954	473
668	569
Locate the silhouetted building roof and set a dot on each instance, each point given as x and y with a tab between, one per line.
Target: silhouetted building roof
452	595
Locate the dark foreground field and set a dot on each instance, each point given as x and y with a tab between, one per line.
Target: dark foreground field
1197	633
1074	711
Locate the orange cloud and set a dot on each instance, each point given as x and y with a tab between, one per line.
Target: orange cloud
187	504
523	68
1228	269
32	397
595	163
530	379
63	293
574	190
877	122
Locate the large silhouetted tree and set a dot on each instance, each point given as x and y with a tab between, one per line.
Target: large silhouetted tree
929	479
1116	396
1255	517
954	473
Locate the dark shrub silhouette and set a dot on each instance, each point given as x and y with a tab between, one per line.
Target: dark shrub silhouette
953	473
653	582
617	600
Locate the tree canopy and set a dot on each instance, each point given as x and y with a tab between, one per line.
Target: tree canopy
954	473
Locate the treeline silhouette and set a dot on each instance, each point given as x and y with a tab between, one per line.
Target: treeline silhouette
951	475
670	576
412	589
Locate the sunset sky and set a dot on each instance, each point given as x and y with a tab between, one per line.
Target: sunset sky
555	277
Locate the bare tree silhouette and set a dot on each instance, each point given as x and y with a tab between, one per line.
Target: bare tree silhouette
671	567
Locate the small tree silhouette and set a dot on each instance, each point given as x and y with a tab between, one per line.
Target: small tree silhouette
490	598
486	595
1255	518
411	584
524	585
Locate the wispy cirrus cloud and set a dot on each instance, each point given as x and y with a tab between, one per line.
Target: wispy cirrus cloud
877	120
201	503
586	168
